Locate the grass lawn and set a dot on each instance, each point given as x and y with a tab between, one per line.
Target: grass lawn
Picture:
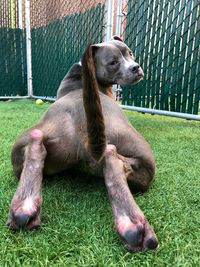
77	226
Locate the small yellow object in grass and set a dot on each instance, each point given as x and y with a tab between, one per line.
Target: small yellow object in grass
39	102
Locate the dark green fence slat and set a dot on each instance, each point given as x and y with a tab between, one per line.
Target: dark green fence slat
196	107
12	62
148	71
177	57
177	82
183	60
143	61
193	62
171	38
153	52
156	73
158	56
169	73
164	57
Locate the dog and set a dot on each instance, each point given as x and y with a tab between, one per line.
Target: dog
86	127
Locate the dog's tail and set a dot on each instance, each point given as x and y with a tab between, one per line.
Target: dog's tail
92	105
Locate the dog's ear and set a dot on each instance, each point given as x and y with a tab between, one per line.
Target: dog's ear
95	48
117	38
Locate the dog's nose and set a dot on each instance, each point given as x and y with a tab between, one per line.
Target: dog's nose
135	68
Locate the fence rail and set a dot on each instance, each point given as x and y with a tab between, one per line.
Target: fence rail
164	36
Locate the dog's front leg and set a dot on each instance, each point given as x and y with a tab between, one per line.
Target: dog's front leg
26	203
133	228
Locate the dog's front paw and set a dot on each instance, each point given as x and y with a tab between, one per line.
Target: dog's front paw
136	234
24	214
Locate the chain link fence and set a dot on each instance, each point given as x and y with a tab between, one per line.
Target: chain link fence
60	31
12	51
165	37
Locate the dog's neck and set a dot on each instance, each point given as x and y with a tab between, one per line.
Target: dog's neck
107	90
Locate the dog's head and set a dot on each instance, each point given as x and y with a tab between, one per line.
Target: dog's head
115	63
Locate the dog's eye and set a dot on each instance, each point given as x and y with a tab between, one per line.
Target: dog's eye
130	53
114	62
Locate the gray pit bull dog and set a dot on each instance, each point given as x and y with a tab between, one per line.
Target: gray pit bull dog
86	127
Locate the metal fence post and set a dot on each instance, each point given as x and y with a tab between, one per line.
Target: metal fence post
118	18
20	13
109	20
28	48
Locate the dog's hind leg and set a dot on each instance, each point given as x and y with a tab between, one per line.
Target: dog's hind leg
133	228
26	203
142	171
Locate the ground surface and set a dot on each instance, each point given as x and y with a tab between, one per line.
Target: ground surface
77	227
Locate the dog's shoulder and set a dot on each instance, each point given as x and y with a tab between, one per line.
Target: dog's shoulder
71	81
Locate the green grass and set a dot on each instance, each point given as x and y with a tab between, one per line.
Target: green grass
77	227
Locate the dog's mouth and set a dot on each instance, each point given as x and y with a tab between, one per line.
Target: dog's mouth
138	78
131	79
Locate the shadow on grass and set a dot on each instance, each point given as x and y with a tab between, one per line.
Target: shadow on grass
74	178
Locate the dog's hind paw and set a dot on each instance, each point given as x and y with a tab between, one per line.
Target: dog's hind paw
25	217
137	235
